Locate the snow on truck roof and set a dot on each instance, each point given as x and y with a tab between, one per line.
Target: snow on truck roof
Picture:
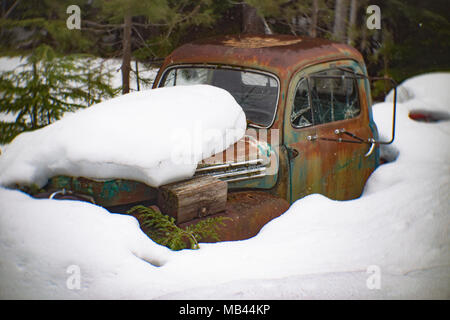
276	53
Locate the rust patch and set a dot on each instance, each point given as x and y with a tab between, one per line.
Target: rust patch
248	211
280	55
259	42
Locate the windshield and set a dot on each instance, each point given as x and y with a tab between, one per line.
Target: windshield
257	93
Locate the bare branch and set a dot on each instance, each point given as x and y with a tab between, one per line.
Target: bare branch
143	41
149	25
104	26
7	13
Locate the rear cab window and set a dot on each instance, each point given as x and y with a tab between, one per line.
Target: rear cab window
256	92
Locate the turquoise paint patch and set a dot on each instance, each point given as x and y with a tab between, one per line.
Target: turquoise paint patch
112	188
63	181
343	166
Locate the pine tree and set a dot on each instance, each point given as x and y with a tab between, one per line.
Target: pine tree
28	24
159	19
414	38
46	86
295	17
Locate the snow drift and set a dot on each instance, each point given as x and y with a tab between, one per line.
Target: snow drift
135	136
319	248
41	241
431	90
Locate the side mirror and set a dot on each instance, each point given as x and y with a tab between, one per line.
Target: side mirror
376	93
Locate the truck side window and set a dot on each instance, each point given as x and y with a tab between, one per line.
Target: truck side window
301	112
334	96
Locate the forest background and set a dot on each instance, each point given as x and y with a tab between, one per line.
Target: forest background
413	37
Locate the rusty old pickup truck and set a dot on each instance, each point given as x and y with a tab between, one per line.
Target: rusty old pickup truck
310	130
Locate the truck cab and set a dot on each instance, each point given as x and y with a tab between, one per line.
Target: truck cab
309	95
310	130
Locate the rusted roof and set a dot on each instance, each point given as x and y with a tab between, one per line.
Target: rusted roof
276	53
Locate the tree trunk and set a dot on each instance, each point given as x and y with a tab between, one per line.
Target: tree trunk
351	33
251	21
386	40
138	87
363	43
126	54
34	107
314	16
340	13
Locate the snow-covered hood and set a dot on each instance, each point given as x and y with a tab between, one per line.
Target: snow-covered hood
156	137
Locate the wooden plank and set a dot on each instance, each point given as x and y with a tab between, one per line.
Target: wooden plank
194	198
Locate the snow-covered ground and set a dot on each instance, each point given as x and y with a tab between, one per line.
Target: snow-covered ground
391	243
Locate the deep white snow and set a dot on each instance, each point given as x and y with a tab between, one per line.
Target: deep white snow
110	66
153	136
392	242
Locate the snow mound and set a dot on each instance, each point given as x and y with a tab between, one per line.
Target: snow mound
426	93
68	246
429	91
155	136
320	248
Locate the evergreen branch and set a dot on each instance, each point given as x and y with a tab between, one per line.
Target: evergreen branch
163	230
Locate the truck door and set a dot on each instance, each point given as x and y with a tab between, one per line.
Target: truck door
324	101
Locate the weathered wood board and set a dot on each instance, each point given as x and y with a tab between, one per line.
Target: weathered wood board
194	198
